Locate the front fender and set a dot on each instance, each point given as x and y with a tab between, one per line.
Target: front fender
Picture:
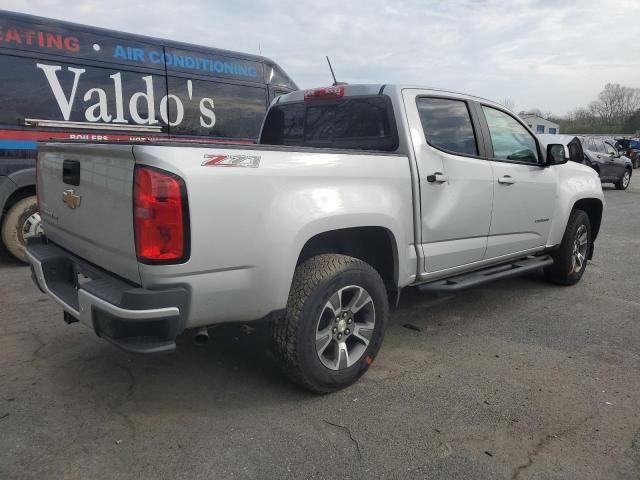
24	178
7	187
575	182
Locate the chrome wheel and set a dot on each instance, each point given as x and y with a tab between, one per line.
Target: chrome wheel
580	246
626	179
32	227
345	327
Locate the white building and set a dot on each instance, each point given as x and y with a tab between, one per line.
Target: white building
539	124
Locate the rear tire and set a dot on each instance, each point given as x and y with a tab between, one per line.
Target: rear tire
570	260
20	222
337	304
624	182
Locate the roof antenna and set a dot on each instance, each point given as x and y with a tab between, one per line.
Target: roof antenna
335	82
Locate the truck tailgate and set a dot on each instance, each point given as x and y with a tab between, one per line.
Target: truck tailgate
85	194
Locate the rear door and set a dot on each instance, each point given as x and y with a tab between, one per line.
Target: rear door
86	203
524	193
455	181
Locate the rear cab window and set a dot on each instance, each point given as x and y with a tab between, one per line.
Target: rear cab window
357	123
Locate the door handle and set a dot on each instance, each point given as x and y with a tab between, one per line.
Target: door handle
437	177
506	180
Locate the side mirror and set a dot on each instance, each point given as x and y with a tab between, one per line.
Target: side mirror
555	154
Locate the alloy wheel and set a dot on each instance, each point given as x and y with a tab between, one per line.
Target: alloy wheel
345	327
626	178
580	246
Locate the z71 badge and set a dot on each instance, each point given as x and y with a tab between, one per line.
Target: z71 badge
216	160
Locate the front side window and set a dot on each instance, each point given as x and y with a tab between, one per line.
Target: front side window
609	149
598	146
588	144
510	140
447	125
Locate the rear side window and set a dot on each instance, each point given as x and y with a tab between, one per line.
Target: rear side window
237	112
447	125
361	123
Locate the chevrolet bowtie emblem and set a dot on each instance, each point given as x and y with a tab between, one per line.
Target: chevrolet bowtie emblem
70	199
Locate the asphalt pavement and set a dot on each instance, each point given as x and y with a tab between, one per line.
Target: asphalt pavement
518	379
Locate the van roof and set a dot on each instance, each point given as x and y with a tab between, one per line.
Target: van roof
23	17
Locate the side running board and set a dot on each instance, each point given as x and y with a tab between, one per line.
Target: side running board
468	280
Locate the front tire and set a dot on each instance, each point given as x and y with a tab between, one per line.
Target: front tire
334	323
21	222
570	260
623	183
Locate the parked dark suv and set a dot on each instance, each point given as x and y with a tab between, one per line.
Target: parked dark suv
612	166
604	158
631	148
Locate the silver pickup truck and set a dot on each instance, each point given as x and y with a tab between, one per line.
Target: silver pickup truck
352	194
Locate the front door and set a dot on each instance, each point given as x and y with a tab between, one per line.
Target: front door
616	163
598	158
455	182
524	193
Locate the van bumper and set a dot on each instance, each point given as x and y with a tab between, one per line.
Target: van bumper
135	319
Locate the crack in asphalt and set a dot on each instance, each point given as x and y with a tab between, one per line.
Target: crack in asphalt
130	386
348	430
635	448
542	443
115	408
38	338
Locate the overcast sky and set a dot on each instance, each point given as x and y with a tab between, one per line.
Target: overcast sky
549	54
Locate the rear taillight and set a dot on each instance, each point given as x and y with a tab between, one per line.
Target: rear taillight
160	216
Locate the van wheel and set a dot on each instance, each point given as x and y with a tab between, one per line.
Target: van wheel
334	323
570	260
21	222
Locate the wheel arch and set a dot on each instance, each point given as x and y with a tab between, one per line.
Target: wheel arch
593	207
17	195
375	245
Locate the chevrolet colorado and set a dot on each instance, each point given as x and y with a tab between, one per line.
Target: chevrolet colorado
354	193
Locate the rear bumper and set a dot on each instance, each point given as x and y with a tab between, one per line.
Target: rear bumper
133	318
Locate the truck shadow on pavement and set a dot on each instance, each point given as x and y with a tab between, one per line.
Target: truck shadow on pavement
8	261
234	371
